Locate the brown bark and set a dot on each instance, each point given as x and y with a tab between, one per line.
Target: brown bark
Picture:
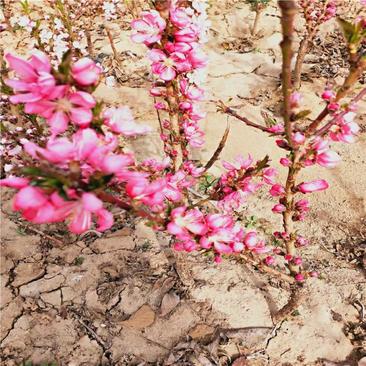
288	10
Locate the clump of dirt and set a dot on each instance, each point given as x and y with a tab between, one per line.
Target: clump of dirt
240	45
329	54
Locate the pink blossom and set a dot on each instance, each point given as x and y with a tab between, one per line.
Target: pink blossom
301	241
295	99
269	260
29	198
345	130
35	80
299	277
120	120
63	106
277	190
85	72
279	128
302	205
269	175
182	47
184	223
180	17
297	261
285	162
279	208
79	213
333	106
193	134
186	245
149	28
328	95
282	144
328	159
197	58
288	257
218	259
261	248
14	182
251	239
314	186
191	91
223	235
239	163
187	35
298	138
168	67
232	201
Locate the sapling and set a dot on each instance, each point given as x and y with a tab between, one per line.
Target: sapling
310	145
75	168
257	6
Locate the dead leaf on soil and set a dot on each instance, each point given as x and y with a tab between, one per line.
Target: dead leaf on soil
143	318
169	302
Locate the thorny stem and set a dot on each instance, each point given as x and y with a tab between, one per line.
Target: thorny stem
223	108
106	197
288	222
175	128
266	269
288	9
219	149
162	6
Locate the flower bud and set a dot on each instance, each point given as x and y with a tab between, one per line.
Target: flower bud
314	186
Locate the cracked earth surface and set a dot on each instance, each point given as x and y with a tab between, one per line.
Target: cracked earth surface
126	299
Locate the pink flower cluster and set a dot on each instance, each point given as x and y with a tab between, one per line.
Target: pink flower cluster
313	149
89	158
39	90
235	185
38	207
318	11
177	56
216	232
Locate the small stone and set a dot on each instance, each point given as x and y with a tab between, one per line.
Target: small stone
113	243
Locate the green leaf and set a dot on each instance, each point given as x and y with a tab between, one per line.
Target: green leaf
33	171
301	114
95	183
347	28
262	164
65	65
